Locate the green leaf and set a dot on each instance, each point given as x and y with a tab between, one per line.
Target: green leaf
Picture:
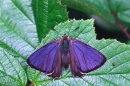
121	8
96	7
11	72
115	72
47	13
17	29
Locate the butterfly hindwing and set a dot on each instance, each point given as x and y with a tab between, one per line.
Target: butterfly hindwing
47	59
85	58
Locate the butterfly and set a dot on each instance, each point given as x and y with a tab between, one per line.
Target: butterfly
63	53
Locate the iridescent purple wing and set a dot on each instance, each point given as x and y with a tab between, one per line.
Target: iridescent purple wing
84	58
47	59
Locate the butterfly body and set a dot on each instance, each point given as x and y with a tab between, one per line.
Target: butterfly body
78	56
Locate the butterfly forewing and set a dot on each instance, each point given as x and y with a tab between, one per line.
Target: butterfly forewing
85	58
47	59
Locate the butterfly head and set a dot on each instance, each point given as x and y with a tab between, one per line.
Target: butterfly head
65	37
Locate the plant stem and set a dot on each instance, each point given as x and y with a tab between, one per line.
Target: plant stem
121	26
123	29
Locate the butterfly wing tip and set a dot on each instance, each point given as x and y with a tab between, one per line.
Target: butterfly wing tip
104	61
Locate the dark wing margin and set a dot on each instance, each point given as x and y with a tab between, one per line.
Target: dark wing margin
84	58
47	59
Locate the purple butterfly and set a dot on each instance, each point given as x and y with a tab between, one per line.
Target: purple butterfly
80	57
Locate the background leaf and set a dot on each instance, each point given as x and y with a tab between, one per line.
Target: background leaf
17	29
121	8
112	73
91	7
11	72
102	11
47	13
